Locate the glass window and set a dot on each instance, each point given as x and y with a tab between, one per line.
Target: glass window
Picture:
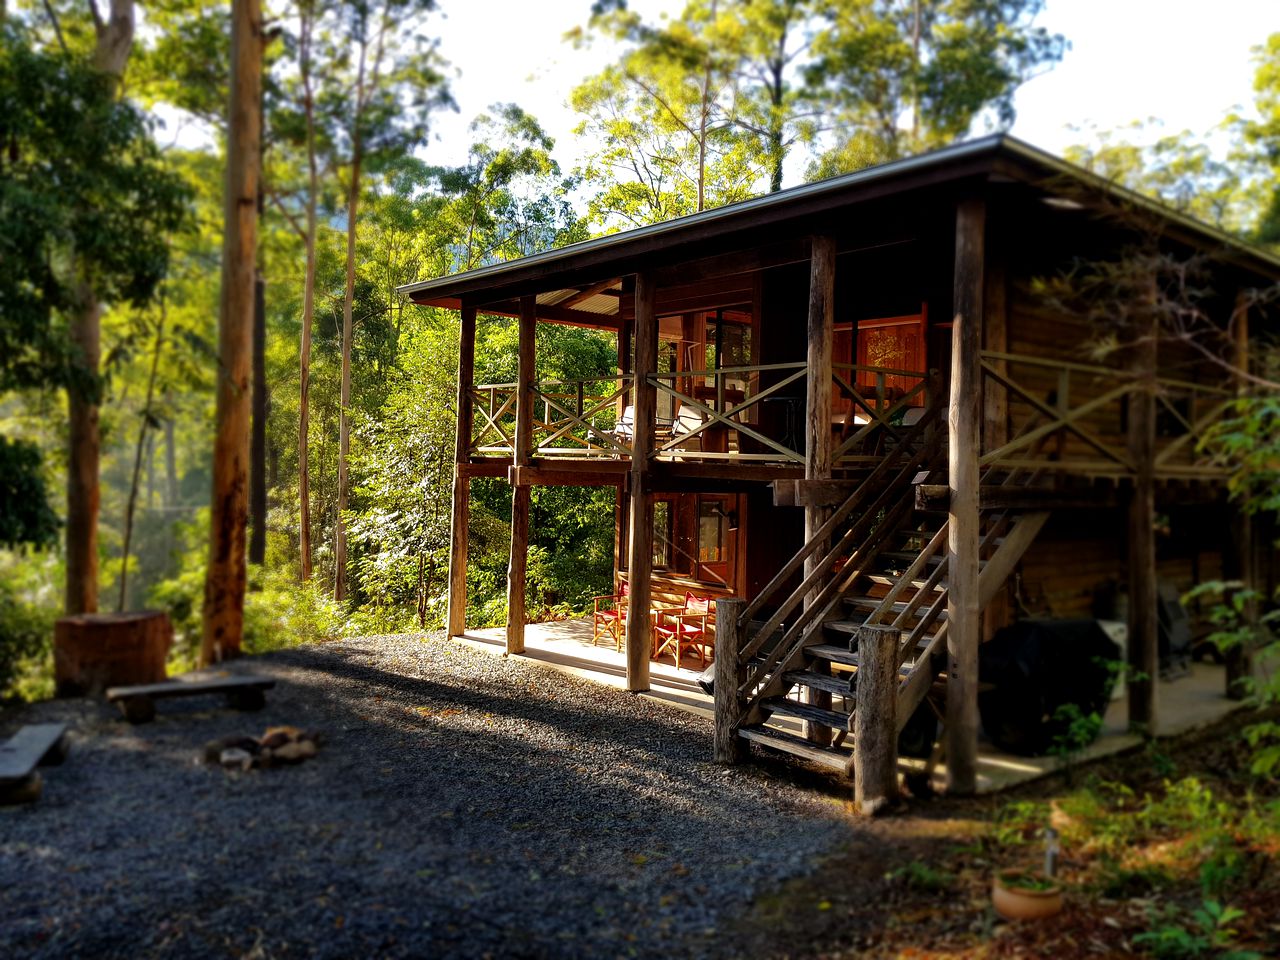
662	531
712	532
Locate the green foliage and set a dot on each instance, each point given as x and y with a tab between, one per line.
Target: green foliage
1210	933
86	202
25	515
1233	611
942	65
1077	730
923	878
29	604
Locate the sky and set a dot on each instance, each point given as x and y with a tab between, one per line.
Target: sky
1186	62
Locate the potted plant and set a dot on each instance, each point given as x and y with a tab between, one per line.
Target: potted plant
1019	894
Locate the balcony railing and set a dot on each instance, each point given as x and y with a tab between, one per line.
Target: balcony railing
752	413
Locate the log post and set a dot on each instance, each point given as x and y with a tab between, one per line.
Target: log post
1144	629
461	517
995	398
640	552
729	747
523	457
964	424
1238	560
817	461
875	728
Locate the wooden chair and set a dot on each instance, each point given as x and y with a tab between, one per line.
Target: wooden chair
609	617
688	627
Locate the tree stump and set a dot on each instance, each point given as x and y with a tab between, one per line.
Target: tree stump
93	651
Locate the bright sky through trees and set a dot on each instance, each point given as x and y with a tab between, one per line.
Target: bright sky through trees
1183	61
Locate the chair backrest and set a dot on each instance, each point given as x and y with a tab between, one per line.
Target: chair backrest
626	425
624	589
697	605
687	420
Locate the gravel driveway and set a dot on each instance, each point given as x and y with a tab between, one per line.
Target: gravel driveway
463	805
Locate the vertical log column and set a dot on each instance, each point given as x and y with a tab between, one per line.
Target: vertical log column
1238	561
640	552
729	747
875	730
1144	631
520	490
624	375
817	461
461	517
964	425
995	398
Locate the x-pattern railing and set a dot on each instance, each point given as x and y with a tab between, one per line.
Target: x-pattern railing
1099	421
577	423
731	417
882	408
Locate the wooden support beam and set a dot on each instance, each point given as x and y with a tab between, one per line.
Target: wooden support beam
875	728
812	493
817	463
640	554
580	474
729	747
1144	629
964	422
461	516
586	293
517	567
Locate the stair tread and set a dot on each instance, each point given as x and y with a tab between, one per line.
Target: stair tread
829	757
888	580
819	681
807	711
870	603
829	651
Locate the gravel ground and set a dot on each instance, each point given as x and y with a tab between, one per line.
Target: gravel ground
462	805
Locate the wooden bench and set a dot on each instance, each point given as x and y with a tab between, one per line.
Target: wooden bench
243	692
40	744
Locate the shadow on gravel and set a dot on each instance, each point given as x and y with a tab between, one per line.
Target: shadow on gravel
496	809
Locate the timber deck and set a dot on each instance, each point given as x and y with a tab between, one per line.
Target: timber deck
1187	703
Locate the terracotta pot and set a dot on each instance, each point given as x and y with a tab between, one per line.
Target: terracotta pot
1014	902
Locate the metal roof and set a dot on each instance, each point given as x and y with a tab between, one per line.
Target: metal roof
849	188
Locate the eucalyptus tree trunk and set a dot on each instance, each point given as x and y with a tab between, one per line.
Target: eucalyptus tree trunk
224	585
113	42
344	417
143	430
308	297
348	306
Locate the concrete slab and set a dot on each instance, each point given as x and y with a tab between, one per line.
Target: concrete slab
1187	703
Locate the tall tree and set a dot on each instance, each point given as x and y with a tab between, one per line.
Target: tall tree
223	612
396	81
902	76
666	118
86	205
114	40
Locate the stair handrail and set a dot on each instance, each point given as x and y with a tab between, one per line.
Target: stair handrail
869	484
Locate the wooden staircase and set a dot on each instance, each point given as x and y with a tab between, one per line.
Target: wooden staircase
878	564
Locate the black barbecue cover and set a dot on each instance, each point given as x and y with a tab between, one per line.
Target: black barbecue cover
1032	668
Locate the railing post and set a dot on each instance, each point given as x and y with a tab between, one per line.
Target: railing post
875	730
640	555
964	420
817	461
456	618
522	457
729	747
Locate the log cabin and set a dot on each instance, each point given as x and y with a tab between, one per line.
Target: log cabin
850	413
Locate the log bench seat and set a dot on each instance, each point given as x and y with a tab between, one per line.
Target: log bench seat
243	692
40	744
